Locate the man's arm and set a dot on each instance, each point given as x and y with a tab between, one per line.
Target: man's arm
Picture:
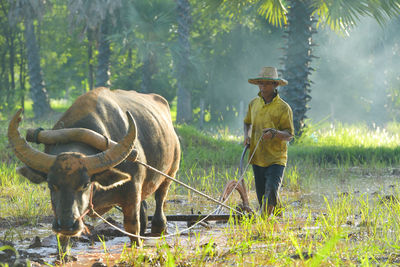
283	135
246	127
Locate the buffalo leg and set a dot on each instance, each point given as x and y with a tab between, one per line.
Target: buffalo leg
132	220
159	221
143	217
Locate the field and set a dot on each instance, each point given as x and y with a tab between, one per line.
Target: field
339	201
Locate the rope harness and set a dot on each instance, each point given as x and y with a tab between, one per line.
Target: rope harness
221	204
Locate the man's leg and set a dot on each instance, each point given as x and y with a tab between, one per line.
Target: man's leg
274	176
259	178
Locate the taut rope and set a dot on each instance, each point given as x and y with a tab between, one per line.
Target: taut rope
91	207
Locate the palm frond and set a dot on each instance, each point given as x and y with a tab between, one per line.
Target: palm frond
340	15
382	10
274	11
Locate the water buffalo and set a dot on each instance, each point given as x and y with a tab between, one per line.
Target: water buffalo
73	162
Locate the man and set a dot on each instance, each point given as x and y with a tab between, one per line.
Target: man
271	122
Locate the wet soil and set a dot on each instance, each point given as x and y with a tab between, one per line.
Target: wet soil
38	244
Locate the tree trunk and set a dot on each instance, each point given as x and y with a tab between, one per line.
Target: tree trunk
11	47
184	98
22	74
10	39
38	93
90	58
297	60
4	77
146	75
103	58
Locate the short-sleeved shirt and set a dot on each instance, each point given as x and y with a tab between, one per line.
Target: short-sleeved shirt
275	114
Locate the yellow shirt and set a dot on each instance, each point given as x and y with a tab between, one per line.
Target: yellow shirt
276	114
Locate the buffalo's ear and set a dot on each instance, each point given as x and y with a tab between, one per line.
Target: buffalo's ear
32	175
111	177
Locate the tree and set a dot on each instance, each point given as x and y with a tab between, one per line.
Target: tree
103	60
145	32
298	16
297	59
152	22
339	15
29	11
226	50
183	65
7	73
96	16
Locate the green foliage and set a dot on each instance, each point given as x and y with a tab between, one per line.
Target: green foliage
347	143
199	148
275	12
64	55
230	41
322	144
20	200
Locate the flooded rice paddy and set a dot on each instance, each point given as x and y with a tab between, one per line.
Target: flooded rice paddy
305	201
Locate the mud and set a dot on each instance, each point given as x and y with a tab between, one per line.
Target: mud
101	247
38	244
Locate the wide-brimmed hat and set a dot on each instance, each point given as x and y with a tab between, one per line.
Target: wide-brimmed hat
268	74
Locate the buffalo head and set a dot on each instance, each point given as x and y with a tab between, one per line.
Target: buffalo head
69	175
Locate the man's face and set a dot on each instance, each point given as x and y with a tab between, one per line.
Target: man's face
267	88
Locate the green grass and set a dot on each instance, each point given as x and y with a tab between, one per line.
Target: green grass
348	144
21	201
209	160
342	135
349	231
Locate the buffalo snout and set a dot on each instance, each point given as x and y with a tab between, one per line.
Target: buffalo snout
67	227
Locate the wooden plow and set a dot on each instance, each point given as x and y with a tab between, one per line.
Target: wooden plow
231	185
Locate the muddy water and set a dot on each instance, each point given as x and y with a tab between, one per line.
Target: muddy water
355	181
332	183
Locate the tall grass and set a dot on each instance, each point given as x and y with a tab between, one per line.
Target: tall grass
21	201
342	135
336	236
347	144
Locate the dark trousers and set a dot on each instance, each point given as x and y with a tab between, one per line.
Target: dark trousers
268	181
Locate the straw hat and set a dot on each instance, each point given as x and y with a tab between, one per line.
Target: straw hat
268	74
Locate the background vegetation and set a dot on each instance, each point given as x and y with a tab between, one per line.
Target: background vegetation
342	62
199	55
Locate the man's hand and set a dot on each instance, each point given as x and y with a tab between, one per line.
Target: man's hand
246	127
269	133
246	141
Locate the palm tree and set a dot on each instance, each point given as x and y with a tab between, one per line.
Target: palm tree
146	27
339	15
299	18
9	34
96	16
29	11
103	59
184	99
297	59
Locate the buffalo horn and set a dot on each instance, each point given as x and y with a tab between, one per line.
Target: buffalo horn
62	136
33	158
114	155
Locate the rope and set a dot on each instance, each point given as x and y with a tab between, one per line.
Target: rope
150	237
189	187
91	209
36	134
221	204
